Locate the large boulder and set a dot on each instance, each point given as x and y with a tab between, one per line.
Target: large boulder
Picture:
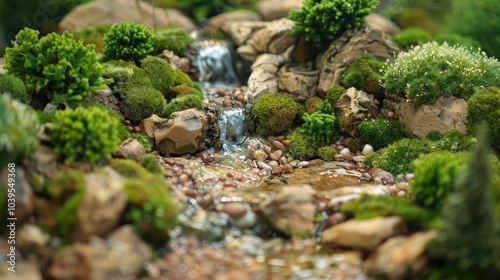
298	82
276	9
446	113
224	20
353	43
353	107
107	12
387	26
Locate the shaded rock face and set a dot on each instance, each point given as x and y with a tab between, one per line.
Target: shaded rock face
276	9
222	21
387	26
106	97
107	12
353	107
183	132
298	82
366	39
292	211
419	119
363	234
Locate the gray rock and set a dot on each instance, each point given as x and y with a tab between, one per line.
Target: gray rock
298	82
106	98
353	107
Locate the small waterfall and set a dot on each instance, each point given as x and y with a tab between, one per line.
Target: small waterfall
215	63
231	123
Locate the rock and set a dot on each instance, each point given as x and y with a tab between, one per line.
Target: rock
367	149
224	20
274	37
363	234
292	211
298	82
107	12
106	98
353	43
387	26
102	206
25	269
260	155
234	209
147	125
276	9
240	31
383	175
23	205
121	256
131	149
183	132
353	107
446	113
399	257
31	236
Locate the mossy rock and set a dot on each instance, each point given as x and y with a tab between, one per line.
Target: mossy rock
161	74
141	102
274	113
334	94
191	101
365	74
311	103
144	139
182	77
380	132
484	107
151	164
302	147
327	153
185	90
411	36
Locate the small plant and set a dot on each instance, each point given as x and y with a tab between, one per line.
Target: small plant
129	41
14	86
365	74
453	39
434	177
182	78
301	147
412	36
311	103
455	141
334	94
55	68
84	134
327	153
172	38
429	71
141	102
161	74
484	106
380	132
434	135
274	113
117	71
19	127
319	127
177	104
92	35
145	141
321	21
149	162
185	90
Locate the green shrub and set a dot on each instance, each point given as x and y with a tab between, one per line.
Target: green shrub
456	39
334	94
434	177
301	147
56	67
319	127
145	140
327	153
365	74
354	145
397	157
151	164
19	127
274	113
118	71
367	207
84	134
434	135
427	72
161	74
484	106
183	103
412	36
311	103
454	141
380	132
172	38
141	102
129	41
321	21
14	86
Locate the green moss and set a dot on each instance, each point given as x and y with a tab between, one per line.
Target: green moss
411	36
455	141
145	141
160	73
434	135
274	113
151	164
456	39
354	145
172	38
185	90
141	102
380	132
129	41
311	103
334	94
182	77
434	177
14	86
66	216
301	147
128	168
84	134
183	103
484	106
327	153
365	74
117	71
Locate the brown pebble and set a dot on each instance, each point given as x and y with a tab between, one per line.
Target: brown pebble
222	179
240	97
137	129
230	174
177	170
183	178
335	218
266	149
348	157
283	160
230	184
401	194
339	157
170	161
276	155
393	190
127	122
207	158
227	103
276	170
188	172
191	193
287	168
280	138
130	128
402	186
286	143
238	176
168	173
277	145
233	209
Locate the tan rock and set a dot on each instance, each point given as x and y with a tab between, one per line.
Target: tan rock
224	20
387	26
131	149
24	204
353	107
298	82
276	9
363	234
147	125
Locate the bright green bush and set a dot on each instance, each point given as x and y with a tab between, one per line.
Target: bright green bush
397	157
14	86
427	72
56	67
172	38
434	177
301	147
274	113
411	37
322	124
484	106
365	74
183	103
453	39
455	141
311	103
129	41
84	134
380	132
145	141
321	21
161	74
19	127
327	153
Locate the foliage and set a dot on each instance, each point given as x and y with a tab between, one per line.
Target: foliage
453	39
172	38
367	207
397	157
301	147
19	127
274	113
182	103
319	127
185	90
334	93
482	21
427	72
14	86
92	35
484	106
454	141
365	74
411	37
141	102
434	177
182	78
380	132
129	41
468	237
320	21
118	71
160	72
311	103
354	145
324	107
84	134
434	135
151	164
327	153
56	67
145	141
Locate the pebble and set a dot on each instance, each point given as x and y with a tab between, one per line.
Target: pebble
393	189
278	145
303	164
273	163
402	186
230	184
283	160
345	152
367	149
286	143
276	155
409	177
358	158
248	220
263	165
348	157
287	168
267	149
260	155
233	209
276	170
401	194
183	178
294	163
238	177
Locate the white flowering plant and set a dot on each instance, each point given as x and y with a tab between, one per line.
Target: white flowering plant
426	72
